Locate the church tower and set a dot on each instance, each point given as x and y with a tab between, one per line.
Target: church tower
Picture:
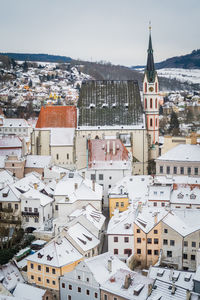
150	97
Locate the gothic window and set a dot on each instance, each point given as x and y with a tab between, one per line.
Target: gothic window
151	122
145	103
151	103
156	87
156	103
145	87
156	122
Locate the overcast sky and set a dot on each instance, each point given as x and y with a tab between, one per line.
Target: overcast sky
109	30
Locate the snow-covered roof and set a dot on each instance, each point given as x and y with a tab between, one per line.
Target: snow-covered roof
136	187
160	192
149	217
57	253
10	194
10	142
62	136
20	123
98	265
122	223
2	161
33	194
137	290
28	292
82	237
5	178
92	214
10	275
170	179
185	195
38	161
28	182
182	152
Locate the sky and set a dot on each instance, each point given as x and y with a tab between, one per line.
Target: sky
115	31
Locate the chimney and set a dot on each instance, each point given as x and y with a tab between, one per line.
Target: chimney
114	150
93	185
108	147
150	286
173	289
155	218
127	281
188	295
110	265
75	186
35	186
83	175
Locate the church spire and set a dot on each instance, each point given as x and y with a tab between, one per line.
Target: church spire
150	68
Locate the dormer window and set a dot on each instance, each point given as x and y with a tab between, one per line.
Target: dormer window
192	196
40	255
49	257
180	196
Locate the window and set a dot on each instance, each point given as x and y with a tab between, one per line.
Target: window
109	186
151	122
163	204
156	103
193	244
126	239
138	230
169	253
36	220
189	171
100	176
93	177
172	243
39	268
155	204
156	241
47	280
53	271
54	283
122	204
161	169
151	103
32	266
110	177
115	239
87	279
25	208
115	298
47	269
39	278
149	252
79	290
196	171
138	251
16	206
70	287
168	170
35	210
156	122
95	295
138	240
116	251
165	242
57	156
192	257
117	204
175	170
67	155
145	90
165	230
155	231
56	207
69	297
182	170
87	292
9	206
185	256
145	103
79	277
30	209
155	252
149	241
105	297
185	244
128	251
32	277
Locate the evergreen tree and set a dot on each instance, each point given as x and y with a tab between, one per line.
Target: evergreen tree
30	84
25	66
174	124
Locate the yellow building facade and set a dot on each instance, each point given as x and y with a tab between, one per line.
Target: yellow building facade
120	203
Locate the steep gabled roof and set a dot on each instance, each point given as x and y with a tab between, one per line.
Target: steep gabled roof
57	117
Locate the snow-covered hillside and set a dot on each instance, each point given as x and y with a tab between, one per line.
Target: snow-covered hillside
189	75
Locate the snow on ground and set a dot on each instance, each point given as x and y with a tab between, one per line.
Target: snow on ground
189	75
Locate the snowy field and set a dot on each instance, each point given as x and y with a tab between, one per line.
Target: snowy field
189	75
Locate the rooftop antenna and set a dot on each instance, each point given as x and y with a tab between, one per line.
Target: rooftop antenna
149	26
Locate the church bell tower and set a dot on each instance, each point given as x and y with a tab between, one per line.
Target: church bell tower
150	97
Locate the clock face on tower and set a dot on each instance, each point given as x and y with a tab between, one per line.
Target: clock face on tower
151	89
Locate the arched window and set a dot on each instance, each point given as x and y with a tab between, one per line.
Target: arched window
151	122
156	122
145	87
156	87
156	103
145	103
151	103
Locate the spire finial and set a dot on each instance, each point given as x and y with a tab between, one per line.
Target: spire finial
149	26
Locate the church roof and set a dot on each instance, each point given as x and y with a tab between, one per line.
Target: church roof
57	116
150	68
109	103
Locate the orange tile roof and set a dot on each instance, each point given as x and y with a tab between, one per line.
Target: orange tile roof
57	116
102	150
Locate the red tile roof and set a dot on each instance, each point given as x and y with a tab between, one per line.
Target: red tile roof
107	150
57	116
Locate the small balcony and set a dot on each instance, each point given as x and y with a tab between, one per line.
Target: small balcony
30	214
